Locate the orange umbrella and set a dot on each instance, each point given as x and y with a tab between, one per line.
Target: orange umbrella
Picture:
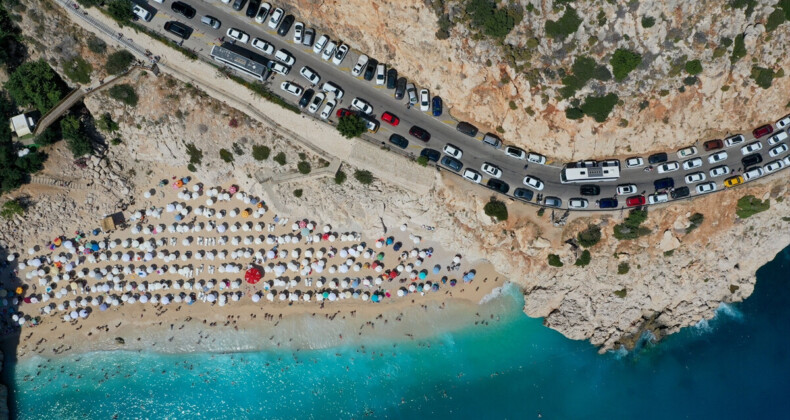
57	241
245	213
19	290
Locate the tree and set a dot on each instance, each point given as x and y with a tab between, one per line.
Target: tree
303	167
340	177
632	228
260	152
762	76
564	26
105	123
693	67
12	51
623	62
554	260
574	113
118	62
739	49
74	134
12	208
226	155
124	93
35	83
496	209
422	160
750	205
121	11
648	21
364	177
583	259
280	158
599	107
351	126
590	236
776	18
495	22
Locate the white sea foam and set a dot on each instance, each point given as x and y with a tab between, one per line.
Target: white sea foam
703	327
729	310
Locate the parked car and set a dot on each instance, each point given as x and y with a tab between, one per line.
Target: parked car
361	62
211	21
658	198
178	29
238	35
291	88
634	162
663	184
692	163
452	163
608	203
238	4
310	75
425	100
695	177
626	189
472	175
668	167
285	57
321	43
733	181
773	166
275	18
610	163
717	157
635	201
431	154
711	145
399	141
142	14
492	140
515	152
285	25
392	78
688	151
278	67
340	54
412	92
436	106
183	9
578	203
536	158
318	99
706	187
453	151
372	124
590	190
751	148
328	51
762	130
657	158
753	174
307	38
330	87
466	128
328	107
298	32
491	169
400	88
344	112
734	140
263	12
752	159
498	185
555	202
362	105
786	160
784	122
778	150
306	97
252	8
420	133
719	171
390	119
679	192
776	138
263	46
523	194
370	69
381	74
533	183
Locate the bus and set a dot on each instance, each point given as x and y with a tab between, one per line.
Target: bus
241	60
590	171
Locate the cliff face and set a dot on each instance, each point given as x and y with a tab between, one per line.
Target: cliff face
515	83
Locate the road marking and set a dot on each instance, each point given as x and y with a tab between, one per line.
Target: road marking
379	86
449	122
344	68
198	35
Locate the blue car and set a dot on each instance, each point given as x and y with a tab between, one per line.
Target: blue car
452	163
432	155
436	106
607	203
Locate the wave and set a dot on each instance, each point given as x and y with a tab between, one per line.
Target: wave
703	327
729	310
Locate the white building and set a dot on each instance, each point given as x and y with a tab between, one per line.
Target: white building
22	125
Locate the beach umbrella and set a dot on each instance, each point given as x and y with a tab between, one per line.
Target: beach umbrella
252	276
211	297
256	297
74	314
423	274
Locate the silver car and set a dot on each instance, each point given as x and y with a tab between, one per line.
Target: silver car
412	92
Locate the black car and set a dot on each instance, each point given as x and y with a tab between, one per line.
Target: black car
285	25
750	160
679	192
466	128
238	4
307	37
663	183
523	194
178	29
452	163
498	185
370	70
400	88
420	133
183	9
399	141
657	158
252	8
432	155
607	203
590	190
392	78
308	94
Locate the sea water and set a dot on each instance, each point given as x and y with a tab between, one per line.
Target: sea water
736	365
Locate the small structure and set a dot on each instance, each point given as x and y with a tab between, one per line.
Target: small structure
23	126
109	223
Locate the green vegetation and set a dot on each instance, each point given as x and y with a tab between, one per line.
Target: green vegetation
496	209
566	25
35	83
669	253
648	22
693	67
303	167
690	80
260	152
554	260
541	211
351	126
749	205
747	4
118	62
583	259
279	158
121	11
105	123
623	268
695	221
632	228
78	70
265	93
298	193
574	114
762	76
237	149
622	292
590	236
623	62
422	160
74	133
340	177
445	24
124	93
584	68
12	208
739	50
96	45
364	177
226	155
776	18
12	52
599	107
195	154
116	141
494	22
734	288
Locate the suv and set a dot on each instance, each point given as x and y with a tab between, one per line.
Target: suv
252	8
752	159
211	21
712	145
308	94
590	190
307	37
607	203
679	192
399	141
452	163
552	202
492	140
431	154
392	78
285	26
466	128
141	13
523	194
370	70
734	140
498	185
657	158
400	88
762	130
663	183
178	29
412	92
420	133
238	4
183	9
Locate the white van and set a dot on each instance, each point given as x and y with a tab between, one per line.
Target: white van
492	140
142	13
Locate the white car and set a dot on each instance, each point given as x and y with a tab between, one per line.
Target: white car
238	35
277	16
362	105
657	198
689	151
328	107
668	167
340	54
695	177
318	99
453	151
262	12
717	157
425	100
310	75
692	163
361	62
578	203
719	171
329	50
626	189
291	88
786	161
492	170
776	138
380	74
142	13
515	152
262	45
298	32
752	174
751	147
279	68
784	122
330	87
285	57
634	162
473	175
734	140
536	158
773	166
320	44
778	150
706	187
533	183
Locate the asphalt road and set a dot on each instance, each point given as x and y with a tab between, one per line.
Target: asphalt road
442	128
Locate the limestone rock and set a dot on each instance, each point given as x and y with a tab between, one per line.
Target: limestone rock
668	242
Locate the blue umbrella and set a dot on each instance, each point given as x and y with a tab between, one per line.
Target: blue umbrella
103	307
179	217
435	287
94	247
397	246
423	275
471	274
305	231
96	232
390	240
374	298
436	268
355	283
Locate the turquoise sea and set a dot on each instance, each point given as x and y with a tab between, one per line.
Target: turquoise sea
734	366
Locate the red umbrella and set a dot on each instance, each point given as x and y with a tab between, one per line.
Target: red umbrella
252	276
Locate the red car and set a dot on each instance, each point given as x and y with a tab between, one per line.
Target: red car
342	112
634	201
712	145
762	130
390	118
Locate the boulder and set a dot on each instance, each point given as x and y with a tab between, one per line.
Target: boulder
668	242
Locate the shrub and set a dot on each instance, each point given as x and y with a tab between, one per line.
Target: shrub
423	160
693	67
512	105
541	211
260	152
590	236
121	11
749	205
78	70
96	45
623	62
364	177
303	167
494	22
258	88
124	93
49	136
776	18
118	62
195	154
280	158
574	113
298	193
116	141
632	228
623	268
583	259
739	50
191	168
226	155
496	209
351	126
696	220
12	208
648	22
340	177
554	260
566	25
74	133
690	81
622	292
35	83
669	253
762	76
105	123
599	107
445	24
